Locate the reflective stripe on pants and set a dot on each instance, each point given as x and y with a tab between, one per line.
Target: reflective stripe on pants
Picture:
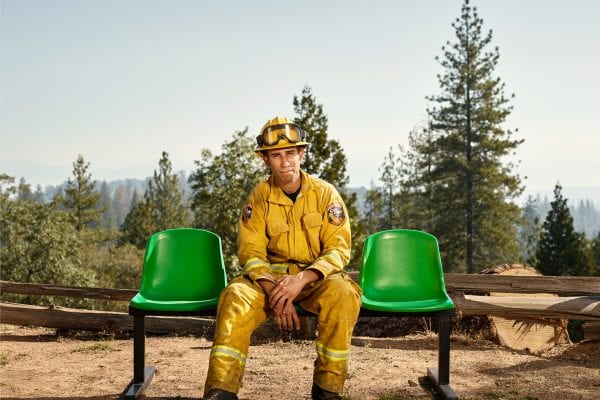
241	309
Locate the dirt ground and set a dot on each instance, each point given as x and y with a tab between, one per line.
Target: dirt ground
36	363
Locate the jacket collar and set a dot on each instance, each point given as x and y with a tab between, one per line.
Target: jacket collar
276	195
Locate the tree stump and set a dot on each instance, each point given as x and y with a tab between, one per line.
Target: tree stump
533	334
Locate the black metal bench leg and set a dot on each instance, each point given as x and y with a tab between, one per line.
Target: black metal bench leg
440	377
142	375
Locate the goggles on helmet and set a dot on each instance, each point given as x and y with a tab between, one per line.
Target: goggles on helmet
271	135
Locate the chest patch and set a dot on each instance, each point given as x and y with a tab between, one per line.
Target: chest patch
247	212
335	214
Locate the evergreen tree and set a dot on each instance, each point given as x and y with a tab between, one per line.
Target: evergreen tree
220	185
561	250
24	190
38	195
373	217
325	158
108	218
161	208
80	198
166	197
120	204
471	186
529	232
139	223
418	184
390	178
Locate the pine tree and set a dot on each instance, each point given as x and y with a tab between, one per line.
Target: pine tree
472	187
161	208
220	185
373	215
80	198
139	224
121	204
529	232
325	158
561	250
390	179
108	218
166	197
24	190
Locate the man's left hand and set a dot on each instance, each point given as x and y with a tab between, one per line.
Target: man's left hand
286	290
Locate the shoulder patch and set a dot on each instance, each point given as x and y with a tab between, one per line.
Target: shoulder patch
247	212
335	214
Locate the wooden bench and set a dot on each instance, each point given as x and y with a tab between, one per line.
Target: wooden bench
401	275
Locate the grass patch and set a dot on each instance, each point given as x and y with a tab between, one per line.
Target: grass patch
3	359
96	347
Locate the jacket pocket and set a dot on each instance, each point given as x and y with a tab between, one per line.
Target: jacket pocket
312	220
276	228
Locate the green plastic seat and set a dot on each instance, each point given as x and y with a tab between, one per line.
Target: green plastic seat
401	271
183	272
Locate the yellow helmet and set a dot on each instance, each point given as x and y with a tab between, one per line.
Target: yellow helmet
278	133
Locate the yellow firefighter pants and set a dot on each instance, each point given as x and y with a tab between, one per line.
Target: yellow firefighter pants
241	309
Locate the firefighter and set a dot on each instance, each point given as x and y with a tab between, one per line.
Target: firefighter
293	244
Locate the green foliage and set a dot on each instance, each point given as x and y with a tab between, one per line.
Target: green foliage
162	207
39	244
80	198
108	218
530	231
391	179
561	250
220	185
325	158
471	186
139	224
373	210
166	197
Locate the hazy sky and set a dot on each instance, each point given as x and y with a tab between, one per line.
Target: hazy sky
121	81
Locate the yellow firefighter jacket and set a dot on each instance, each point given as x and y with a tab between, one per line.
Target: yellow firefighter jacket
312	232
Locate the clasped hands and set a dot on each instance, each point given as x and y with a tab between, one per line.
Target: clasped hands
282	294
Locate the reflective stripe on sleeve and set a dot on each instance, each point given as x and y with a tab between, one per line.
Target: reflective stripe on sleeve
334	258
254	263
332	354
225	351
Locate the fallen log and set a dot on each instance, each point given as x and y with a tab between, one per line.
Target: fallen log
582	307
535	335
92	320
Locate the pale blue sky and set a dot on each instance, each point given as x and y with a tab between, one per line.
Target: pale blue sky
121	81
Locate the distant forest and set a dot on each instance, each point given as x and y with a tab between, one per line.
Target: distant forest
119	196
